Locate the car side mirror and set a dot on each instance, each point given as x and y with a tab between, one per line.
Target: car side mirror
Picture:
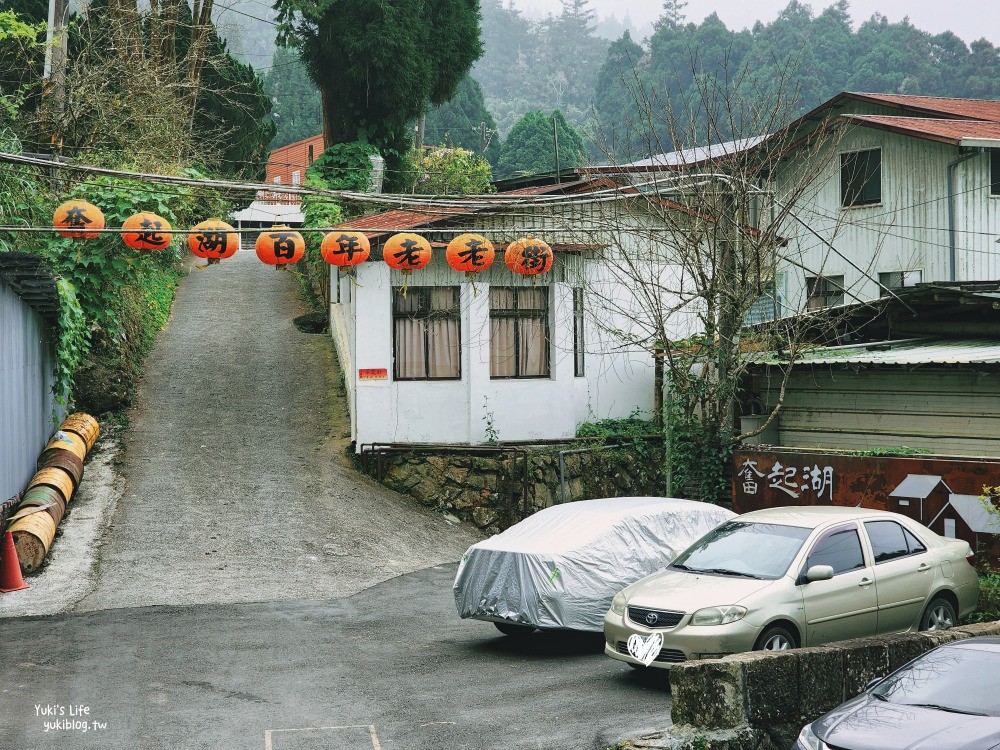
819	573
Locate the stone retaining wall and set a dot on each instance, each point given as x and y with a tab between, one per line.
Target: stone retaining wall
493	492
760	700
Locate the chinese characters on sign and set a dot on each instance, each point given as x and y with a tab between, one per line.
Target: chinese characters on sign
408	256
151	233
475	255
535	257
213	241
284	244
348	245
791	480
76	216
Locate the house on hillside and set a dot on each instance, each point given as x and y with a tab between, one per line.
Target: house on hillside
436	357
907	193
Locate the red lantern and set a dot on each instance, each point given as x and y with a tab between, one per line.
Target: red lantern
280	246
471	253
213	240
77	217
146	231
345	249
406	252
528	256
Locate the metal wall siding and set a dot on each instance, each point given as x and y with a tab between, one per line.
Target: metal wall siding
26	401
909	229
941	410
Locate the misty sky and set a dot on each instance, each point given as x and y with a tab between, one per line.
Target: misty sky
969	19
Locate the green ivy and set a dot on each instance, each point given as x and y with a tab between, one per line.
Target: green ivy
73	340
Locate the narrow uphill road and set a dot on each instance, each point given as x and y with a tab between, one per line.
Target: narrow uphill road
238	489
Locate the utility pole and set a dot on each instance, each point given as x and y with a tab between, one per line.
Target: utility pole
418	140
54	73
482	138
555	141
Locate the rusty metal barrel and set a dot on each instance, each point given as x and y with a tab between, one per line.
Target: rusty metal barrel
46	498
68	441
56	478
33	535
58	458
83	425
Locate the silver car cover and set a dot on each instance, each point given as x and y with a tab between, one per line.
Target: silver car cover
561	567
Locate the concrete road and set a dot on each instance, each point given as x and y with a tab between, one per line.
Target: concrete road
237	485
391	668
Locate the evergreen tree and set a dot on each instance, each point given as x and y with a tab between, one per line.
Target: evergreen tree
379	65
297	110
460	121
530	147
615	103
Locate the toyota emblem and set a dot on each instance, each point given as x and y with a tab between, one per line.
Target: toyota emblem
651	618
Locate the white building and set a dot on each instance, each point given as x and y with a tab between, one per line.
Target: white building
499	356
907	192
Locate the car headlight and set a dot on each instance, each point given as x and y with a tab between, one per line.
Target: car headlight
618	603
809	740
718	615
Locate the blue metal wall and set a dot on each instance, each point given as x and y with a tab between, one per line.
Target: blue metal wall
26	400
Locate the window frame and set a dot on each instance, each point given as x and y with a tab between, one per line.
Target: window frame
579	335
517	314
902	276
811	292
425	313
857	198
906	534
833	532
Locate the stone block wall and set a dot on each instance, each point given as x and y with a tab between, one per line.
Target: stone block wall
761	700
496	490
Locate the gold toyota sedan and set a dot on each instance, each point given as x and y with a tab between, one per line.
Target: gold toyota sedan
786	577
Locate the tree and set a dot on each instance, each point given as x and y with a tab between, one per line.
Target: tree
464	121
297	110
378	66
710	261
530	147
614	106
451	171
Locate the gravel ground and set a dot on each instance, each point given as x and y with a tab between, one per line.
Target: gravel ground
237	488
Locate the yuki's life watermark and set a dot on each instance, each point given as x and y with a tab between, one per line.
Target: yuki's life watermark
72	717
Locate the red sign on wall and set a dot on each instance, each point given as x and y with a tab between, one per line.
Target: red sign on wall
373	373
939	492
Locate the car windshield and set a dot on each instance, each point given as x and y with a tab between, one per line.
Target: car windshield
739	548
952	679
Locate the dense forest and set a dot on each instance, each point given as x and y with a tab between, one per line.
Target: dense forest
562	62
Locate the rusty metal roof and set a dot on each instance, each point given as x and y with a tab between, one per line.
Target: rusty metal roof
32	281
969	109
921	351
945	131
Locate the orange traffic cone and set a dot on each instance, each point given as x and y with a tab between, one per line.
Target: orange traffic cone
10	568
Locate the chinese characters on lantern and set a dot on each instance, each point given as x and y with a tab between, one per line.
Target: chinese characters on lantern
150	233
284	244
535	257
793	481
409	255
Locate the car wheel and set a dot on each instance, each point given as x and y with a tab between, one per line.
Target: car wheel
939	615
775	638
514	630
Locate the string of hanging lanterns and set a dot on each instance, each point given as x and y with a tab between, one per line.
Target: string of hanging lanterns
280	246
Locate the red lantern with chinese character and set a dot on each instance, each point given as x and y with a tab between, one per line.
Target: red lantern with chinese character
471	253
147	231
345	249
528	256
280	246
77	217
213	240
406	252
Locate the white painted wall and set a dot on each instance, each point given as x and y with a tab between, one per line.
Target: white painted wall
617	381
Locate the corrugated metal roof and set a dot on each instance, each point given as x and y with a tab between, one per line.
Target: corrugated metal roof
259	212
951	131
691	156
971	109
917	486
32	281
974	513
924	351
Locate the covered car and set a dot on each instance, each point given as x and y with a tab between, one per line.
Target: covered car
560	568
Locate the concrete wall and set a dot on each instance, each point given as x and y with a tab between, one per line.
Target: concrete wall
617	379
761	700
26	399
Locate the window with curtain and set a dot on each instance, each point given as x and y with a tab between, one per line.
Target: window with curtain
519	332
426	333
